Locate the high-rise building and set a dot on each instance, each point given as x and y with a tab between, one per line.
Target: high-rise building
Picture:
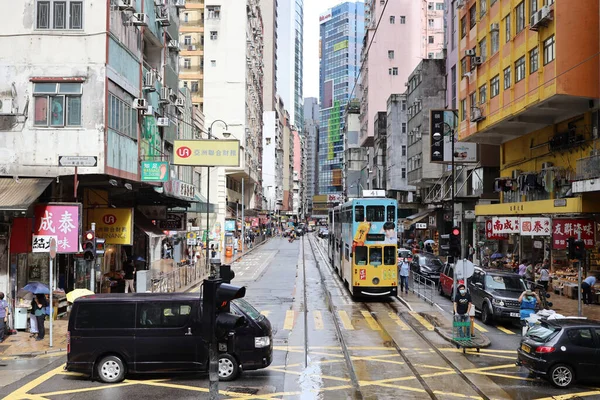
398	35
290	38
311	133
342	30
191	45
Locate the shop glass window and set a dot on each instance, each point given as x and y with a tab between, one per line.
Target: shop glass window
360	255
57	104
163	315
581	337
520	69
391	214
60	15
105	316
375	256
390	255
376	213
534	61
359	214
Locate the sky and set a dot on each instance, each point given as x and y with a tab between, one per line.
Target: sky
312	10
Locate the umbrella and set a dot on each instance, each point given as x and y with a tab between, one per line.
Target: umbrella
77	293
409	241
24	294
138	258
37	287
495	256
429	241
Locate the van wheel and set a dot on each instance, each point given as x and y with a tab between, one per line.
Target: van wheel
111	369
229	368
486	316
561	376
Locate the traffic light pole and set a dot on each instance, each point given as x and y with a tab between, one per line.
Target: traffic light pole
452	201
579	270
210	316
93	265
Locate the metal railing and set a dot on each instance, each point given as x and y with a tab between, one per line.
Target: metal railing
423	287
588	167
182	276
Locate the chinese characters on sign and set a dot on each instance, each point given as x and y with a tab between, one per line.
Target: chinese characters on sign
502	225
562	229
436	130
113	224
155	171
60	222
535	226
489	232
211	153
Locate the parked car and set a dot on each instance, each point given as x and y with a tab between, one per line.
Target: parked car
446	286
110	335
323	233
427	264
495	294
562	350
299	231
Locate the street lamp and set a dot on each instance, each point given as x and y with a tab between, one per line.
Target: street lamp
225	134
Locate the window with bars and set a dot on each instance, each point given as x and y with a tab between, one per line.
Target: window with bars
520	69
55	14
214	35
57	105
534	61
121	116
392	19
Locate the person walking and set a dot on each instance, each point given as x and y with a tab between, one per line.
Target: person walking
40	315
403	274
529	275
586	286
544	275
3	316
129	270
471	252
522	267
462	307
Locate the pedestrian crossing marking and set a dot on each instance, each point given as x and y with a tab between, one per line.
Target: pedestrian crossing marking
346	320
371	321
422	320
266	313
288	324
318	320
503	329
398	321
480	328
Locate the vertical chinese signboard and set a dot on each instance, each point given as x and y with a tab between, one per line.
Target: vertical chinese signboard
436	130
58	221
489	232
562	229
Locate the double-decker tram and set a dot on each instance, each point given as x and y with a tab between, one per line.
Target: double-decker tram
363	245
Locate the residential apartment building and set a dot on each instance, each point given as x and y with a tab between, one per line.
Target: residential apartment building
355	156
298	184
191	46
398	35
397	146
288	164
311	135
233	92
342	30
530	84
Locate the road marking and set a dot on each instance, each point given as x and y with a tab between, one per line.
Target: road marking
289	320
570	396
346	320
398	321
318	320
266	313
22	391
371	321
503	329
480	328
422	320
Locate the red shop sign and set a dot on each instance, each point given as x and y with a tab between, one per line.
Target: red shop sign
489	232
562	229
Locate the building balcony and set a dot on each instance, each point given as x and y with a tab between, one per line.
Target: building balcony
192	23
588	175
192	49
191	70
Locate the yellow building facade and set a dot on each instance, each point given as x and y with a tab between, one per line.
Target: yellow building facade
191	45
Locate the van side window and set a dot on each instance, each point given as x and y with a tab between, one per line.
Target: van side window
105	316
163	315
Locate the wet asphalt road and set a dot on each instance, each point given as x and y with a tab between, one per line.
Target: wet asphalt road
325	346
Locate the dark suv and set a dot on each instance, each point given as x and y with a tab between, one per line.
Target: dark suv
428	265
562	351
495	294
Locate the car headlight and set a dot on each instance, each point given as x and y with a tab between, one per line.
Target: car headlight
498	302
263	341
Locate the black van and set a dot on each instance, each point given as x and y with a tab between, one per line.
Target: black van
113	334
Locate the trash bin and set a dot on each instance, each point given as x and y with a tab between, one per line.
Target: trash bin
20	318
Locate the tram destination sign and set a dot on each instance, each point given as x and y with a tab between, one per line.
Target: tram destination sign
77	161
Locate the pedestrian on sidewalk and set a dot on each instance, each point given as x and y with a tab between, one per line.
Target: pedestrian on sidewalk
544	275
403	273
40	314
586	286
129	270
462	307
522	267
471	252
529	275
3	316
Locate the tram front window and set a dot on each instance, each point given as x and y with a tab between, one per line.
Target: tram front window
376	213
360	255
359	214
375	256
389	255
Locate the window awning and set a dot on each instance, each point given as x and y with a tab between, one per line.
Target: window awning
146	225
413	219
19	194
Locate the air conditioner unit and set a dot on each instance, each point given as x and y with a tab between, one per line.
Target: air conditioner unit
126	5
476	114
460	3
470	52
534	22
6	106
180	102
164	94
150	80
180	3
162	121
477	60
140	104
149	111
139	19
495	27
172	95
174	45
162	16
545	14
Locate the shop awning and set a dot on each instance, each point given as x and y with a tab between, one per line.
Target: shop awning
19	194
413	219
146	225
199	205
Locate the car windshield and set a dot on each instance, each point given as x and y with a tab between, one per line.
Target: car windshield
542	333
431	262
248	309
404	254
504	282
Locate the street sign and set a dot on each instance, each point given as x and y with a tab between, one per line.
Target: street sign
191	235
191	242
420	225
52	248
464	268
77	161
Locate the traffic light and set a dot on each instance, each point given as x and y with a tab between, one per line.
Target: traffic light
216	298
100	246
571	248
455	246
89	246
579	249
226	274
444	245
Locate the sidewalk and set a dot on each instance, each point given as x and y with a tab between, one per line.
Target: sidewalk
568	307
21	345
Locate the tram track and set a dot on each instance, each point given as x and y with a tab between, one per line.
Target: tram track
388	338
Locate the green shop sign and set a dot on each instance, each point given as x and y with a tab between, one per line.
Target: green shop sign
155	171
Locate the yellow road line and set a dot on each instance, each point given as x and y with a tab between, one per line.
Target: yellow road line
479	328
90	389
318	320
289	320
398	321
346	320
570	396
22	391
503	329
371	321
422	320
266	313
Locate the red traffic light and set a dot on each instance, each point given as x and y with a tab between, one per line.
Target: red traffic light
456	232
89	235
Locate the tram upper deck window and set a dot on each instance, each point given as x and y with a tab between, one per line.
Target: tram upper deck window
376	213
389	255
359	214
391	214
360	255
375	256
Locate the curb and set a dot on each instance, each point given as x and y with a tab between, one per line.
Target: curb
32	354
